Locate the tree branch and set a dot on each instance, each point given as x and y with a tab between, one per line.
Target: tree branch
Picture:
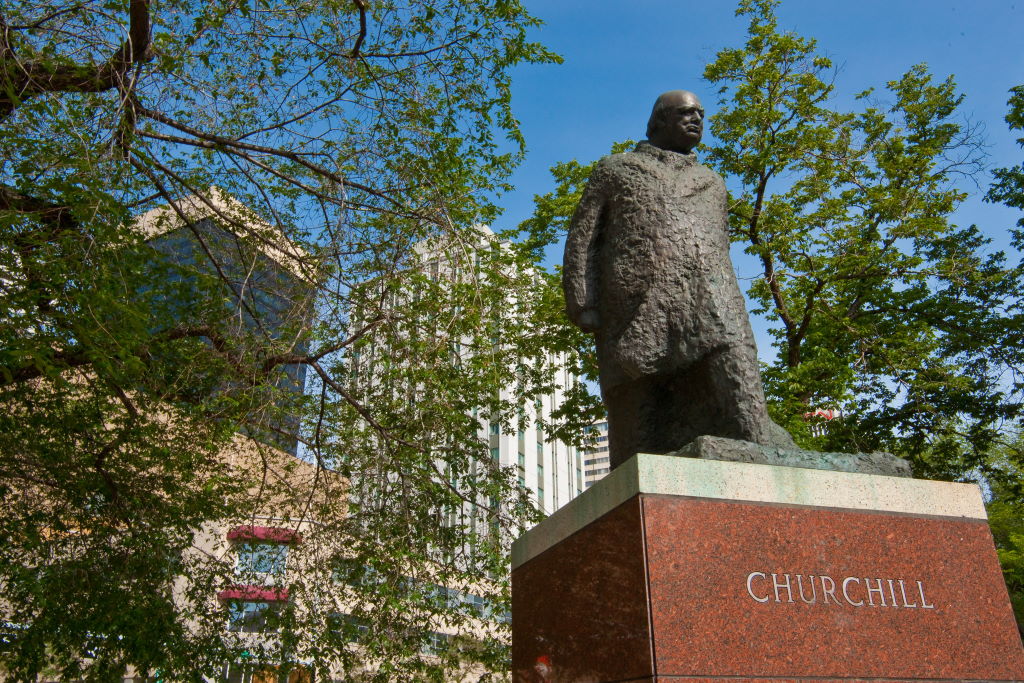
38	23
20	81
768	263
211	141
55	215
361	4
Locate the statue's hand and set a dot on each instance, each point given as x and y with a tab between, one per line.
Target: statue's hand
589	320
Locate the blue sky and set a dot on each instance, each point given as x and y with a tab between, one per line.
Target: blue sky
620	55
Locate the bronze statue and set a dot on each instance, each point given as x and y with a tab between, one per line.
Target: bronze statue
647	270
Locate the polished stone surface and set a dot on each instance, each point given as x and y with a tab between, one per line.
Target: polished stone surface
700	554
666	475
583	606
703	585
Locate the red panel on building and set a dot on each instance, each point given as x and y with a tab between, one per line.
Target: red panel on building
260	593
269	534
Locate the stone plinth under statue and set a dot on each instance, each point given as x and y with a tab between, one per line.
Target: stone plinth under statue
674	569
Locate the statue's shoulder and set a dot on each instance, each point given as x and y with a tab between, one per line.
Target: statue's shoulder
615	163
618	167
708	173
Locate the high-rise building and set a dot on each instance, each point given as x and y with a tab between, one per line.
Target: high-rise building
548	468
275	544
595	454
259	278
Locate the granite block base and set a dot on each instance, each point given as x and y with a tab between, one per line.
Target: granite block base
673	569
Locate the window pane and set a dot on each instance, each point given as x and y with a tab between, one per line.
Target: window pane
263	558
253	617
351	628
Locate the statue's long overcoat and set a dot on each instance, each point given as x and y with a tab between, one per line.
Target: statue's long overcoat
648	249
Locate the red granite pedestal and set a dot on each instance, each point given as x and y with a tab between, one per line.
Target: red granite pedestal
701	571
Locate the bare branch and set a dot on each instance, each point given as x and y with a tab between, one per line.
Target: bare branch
361	4
38	23
21	81
211	141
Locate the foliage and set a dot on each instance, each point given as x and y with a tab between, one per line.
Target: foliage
340	135
1005	519
1008	187
883	307
549	224
1005	509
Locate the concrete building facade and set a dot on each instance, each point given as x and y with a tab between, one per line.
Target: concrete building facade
595	455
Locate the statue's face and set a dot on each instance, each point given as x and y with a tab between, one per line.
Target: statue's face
682	122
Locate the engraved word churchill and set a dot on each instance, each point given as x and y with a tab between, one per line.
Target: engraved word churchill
855	591
647	271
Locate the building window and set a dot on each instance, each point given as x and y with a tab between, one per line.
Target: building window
253	616
495	454
255	673
262	558
436	643
353	573
495	428
351	628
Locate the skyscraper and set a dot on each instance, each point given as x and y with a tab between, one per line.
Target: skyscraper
225	253
595	455
546	467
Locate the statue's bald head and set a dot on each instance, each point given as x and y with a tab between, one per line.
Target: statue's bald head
677	121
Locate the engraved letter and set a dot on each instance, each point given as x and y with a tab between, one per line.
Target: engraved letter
777	585
826	591
846	583
892	593
750	588
800	588
903	590
924	603
878	589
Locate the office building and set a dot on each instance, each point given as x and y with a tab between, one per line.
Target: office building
595	454
228	253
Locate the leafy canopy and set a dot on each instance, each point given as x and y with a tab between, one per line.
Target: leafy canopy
302	149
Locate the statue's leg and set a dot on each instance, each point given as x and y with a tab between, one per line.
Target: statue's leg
657	414
623	421
738	395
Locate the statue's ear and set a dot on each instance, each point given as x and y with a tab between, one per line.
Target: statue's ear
655	123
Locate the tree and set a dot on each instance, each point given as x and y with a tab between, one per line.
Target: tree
1008	187
879	304
883	306
1005	507
1006	504
322	140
